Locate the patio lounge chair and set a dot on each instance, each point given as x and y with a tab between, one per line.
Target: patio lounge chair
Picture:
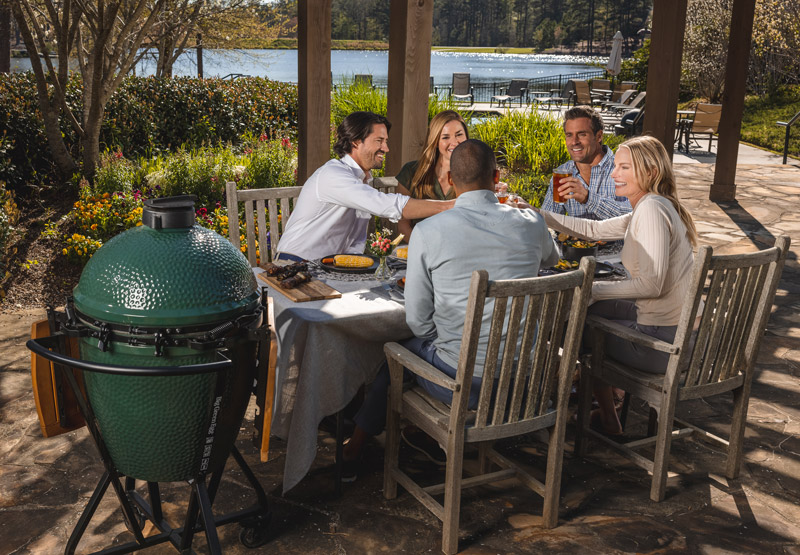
631	124
461	89
601	89
555	99
622	107
527	394
621	88
738	291
582	95
705	122
516	89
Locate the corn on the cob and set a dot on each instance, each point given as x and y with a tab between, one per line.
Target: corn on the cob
401	252
352	261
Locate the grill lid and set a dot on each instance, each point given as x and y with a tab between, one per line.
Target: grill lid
167	273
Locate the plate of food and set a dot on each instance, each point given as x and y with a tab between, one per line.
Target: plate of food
574	249
349	263
400	253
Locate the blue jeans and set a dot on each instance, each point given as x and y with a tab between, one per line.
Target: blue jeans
371	417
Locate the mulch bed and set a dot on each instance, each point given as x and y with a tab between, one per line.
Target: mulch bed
38	273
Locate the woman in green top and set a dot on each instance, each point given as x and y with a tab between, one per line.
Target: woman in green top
426	178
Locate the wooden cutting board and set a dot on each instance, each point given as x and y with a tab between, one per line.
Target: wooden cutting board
313	290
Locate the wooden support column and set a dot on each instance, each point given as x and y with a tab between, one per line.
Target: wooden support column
5	38
313	85
730	124
411	26
664	70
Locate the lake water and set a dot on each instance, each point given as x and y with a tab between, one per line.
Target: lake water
281	65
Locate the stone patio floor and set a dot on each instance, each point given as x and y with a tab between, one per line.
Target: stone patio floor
605	506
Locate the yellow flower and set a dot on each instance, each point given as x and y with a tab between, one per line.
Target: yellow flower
64	251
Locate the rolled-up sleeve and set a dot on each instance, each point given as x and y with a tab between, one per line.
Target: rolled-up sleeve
341	189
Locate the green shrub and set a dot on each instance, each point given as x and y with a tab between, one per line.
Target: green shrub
145	117
268	164
116	174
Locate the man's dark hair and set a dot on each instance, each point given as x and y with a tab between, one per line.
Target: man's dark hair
473	163
585	112
356	127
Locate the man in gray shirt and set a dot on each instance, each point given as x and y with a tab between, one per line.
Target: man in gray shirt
477	233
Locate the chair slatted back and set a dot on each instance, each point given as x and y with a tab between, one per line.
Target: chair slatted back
461	84
517	87
582	93
604	84
534	332
738	299
621	89
266	211
706	118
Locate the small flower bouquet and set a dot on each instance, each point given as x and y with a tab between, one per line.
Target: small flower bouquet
380	244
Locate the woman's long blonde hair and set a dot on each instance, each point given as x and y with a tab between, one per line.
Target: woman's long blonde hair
422	183
653	169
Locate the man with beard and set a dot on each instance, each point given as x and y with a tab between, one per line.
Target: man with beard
335	205
589	191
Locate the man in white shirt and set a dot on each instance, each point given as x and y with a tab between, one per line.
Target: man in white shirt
335	205
478	233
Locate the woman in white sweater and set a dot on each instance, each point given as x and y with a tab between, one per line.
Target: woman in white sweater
657	253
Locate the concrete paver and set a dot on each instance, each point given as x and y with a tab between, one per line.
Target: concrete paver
605	507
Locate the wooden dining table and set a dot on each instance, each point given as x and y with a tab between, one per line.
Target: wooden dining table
327	349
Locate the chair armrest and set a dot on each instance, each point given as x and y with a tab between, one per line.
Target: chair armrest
419	367
629	334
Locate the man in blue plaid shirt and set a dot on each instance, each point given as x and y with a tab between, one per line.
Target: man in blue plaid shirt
589	191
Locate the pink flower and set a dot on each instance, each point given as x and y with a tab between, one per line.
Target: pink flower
263	137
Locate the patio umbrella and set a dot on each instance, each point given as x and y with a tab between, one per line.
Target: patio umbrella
615	58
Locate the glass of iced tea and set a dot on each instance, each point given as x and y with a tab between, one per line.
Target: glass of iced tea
558	178
501	192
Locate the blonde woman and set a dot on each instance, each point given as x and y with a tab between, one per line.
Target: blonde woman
657	253
426	178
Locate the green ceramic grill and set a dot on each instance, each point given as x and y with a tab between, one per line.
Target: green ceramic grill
171	330
153	296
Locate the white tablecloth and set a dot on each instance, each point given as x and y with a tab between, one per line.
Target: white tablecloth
326	351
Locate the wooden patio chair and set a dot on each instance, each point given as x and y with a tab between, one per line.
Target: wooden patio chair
704	123
738	290
519	394
276	203
461	88
517	89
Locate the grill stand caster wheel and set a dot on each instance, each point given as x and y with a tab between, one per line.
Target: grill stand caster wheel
255	530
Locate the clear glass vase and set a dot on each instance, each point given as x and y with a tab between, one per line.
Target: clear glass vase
383	272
